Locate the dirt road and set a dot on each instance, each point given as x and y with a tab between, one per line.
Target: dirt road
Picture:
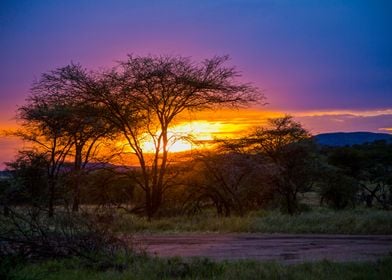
284	248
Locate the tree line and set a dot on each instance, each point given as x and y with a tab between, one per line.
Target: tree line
73	119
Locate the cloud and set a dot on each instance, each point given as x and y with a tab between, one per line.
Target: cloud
232	122
346	122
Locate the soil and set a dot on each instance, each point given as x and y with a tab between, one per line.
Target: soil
285	248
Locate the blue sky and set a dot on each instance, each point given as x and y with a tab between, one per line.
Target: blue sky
307	55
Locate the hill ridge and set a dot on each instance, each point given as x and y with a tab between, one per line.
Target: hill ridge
351	138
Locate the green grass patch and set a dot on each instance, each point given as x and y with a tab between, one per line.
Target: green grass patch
155	268
356	221
353	221
199	223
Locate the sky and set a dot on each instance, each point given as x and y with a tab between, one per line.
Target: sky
328	63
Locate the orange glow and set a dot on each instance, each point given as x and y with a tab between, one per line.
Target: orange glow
186	136
202	127
195	130
228	123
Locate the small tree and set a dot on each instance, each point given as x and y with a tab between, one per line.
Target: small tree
336	189
60	122
229	181
286	149
369	165
28	182
43	127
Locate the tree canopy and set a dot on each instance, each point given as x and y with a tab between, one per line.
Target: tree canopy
144	95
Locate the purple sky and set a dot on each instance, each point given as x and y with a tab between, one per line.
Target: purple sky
308	56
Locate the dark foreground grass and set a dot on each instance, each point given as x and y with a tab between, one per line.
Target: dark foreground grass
155	268
321	221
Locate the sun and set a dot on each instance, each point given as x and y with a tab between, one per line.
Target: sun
180	146
187	136
199	133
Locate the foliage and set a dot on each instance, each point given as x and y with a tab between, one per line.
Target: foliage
108	188
145	95
28	180
231	182
336	189
322	221
358	221
370	166
175	268
58	123
28	233
286	153
72	113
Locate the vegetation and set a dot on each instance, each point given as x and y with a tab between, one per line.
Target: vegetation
28	234
322	221
148	94
68	197
74	119
154	268
285	147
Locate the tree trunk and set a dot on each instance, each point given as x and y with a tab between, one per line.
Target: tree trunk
227	210
156	200
148	205
76	179
291	202
6	211
51	197
75	204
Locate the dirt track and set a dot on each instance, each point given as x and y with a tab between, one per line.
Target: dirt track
284	248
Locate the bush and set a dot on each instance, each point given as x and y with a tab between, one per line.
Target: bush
29	234
338	191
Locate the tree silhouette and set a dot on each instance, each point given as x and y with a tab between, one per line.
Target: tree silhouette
229	181
58	121
65	89
145	95
43	127
286	147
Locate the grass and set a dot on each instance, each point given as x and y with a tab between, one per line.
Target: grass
155	268
321	221
357	221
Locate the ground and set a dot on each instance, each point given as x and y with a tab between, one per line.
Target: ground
285	248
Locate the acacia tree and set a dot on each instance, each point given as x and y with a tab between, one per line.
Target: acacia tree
145	95
57	118
67	87
43	127
286	148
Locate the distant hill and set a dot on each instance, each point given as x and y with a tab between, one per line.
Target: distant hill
4	174
350	138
